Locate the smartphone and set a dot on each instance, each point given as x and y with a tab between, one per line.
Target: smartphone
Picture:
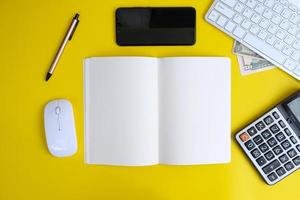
137	26
272	141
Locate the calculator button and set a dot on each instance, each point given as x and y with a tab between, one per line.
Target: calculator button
268	120
280	136
292	153
287	131
280	171
293	139
270	167
244	137
282	124
277	150
258	140
297	160
249	145
269	155
286	144
261	161
274	128
266	134
252	131
275	114
272	177
298	147
272	142
255	153
264	147
260	126
289	166
284	158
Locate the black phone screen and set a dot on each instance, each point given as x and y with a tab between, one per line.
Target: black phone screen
155	26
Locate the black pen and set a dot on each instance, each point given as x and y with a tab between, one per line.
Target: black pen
68	37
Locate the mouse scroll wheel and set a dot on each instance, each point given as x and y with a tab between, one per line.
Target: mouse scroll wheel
57	110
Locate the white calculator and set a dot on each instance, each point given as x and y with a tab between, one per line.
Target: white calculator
272	141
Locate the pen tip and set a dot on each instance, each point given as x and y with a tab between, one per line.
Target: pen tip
76	16
48	76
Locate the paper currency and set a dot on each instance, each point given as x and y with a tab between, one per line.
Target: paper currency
249	61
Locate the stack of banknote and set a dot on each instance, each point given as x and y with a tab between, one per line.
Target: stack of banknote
249	61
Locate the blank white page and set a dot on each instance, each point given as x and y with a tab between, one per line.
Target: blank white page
121	111
194	102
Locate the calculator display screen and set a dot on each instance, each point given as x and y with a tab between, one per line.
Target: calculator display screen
294	106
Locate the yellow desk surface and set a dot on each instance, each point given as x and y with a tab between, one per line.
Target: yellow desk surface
30	32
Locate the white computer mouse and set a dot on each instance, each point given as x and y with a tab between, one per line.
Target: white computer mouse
60	128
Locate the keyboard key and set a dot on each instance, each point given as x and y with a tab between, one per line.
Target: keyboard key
223	9
272	177
249	145
276	19
244	137
296	55
255	18
277	150
260	8
239	7
275	114
281	123
297	160
269	155
261	161
295	18
263	47
263	34
260	125
252	131
268	120
269	3
293	139
270	167
298	147
268	14
272	142
230	26
289	166
280	136
222	21
264	23
286	13
229	3
248	13
296	45
284	158
293	30
213	16
266	134
274	128
286	145
251	3
289	40
284	25
292	153
255	153
258	139
239	32
263	147
238	19
246	24
287	131
280	171
281	34
290	64
278	8
287	50
254	29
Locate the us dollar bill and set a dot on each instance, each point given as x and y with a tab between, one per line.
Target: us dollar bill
249	61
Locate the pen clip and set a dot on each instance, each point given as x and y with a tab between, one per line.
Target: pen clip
73	31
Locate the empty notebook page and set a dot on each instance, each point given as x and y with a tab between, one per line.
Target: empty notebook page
194	110
121	110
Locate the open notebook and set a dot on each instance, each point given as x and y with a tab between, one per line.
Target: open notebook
145	110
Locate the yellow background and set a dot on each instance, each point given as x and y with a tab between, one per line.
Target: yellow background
30	33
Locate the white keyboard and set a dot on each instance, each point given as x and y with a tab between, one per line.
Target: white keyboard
271	28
